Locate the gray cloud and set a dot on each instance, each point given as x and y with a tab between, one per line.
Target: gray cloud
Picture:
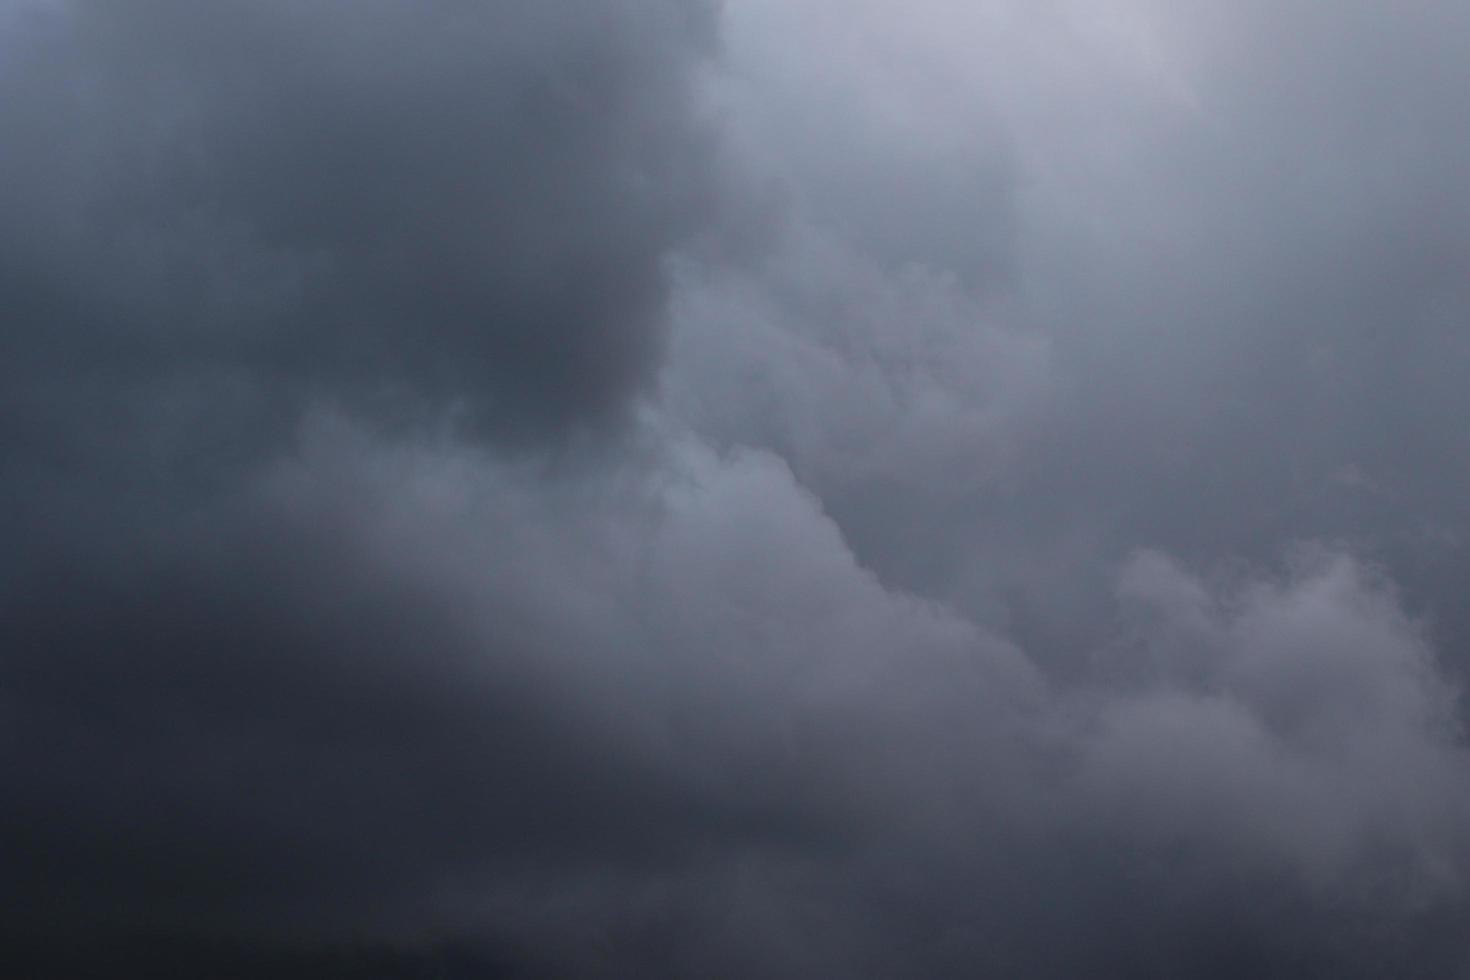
1223	315
683	731
794	489
459	206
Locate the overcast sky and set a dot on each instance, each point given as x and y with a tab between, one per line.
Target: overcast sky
752	489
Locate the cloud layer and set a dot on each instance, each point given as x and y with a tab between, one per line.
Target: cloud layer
784	489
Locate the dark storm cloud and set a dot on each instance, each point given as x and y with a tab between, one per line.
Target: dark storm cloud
332	705
456	205
1038	556
450	214
293	712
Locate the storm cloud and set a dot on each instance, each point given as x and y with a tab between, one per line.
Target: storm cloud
767	489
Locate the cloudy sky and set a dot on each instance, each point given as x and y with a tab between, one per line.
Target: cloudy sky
752	489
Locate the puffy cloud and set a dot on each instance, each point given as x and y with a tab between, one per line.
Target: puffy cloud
655	716
1199	279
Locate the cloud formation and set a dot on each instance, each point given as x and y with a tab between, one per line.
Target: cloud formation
777	490
456	207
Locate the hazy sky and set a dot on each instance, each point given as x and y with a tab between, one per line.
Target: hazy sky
761	489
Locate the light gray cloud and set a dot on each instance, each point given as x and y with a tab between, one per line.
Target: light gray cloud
1226	274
